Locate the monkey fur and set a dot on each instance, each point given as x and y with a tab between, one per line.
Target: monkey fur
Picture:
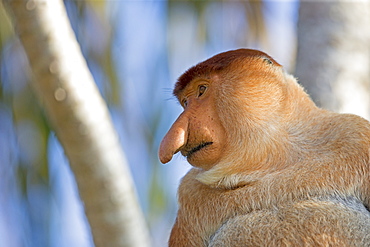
270	168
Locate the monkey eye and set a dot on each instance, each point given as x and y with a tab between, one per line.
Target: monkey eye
201	90
185	103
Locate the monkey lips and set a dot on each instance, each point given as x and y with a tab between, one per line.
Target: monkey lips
189	152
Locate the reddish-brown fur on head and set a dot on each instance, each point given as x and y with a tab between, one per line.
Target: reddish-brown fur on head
216	64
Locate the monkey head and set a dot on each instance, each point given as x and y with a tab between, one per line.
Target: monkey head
198	132
229	101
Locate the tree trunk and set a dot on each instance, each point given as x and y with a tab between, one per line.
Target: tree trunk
333	59
81	121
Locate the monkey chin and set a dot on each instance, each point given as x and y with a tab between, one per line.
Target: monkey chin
204	156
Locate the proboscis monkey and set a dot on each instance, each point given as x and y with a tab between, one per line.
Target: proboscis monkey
270	167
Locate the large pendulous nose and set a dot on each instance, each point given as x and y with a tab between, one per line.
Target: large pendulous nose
174	140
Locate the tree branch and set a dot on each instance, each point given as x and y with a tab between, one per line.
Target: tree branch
81	121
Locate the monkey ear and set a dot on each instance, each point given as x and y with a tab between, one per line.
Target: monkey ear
267	60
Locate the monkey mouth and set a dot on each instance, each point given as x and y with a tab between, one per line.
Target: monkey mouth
196	149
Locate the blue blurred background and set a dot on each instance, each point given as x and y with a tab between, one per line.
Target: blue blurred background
135	51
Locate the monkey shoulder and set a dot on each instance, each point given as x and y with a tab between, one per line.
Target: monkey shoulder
330	221
202	209
209	203
346	143
340	139
351	127
191	190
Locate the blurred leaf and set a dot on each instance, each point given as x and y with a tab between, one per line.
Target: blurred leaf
26	109
254	11
256	21
114	91
103	55
22	179
157	194
6	30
